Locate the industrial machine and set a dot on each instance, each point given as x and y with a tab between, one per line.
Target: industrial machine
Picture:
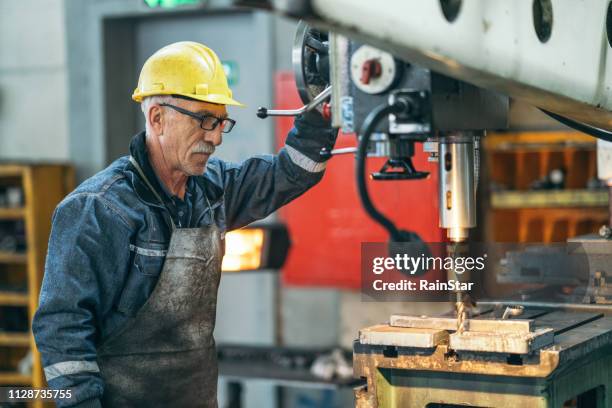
399	73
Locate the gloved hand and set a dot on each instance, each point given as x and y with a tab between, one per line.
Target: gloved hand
311	133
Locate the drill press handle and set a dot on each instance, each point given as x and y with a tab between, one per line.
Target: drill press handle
263	112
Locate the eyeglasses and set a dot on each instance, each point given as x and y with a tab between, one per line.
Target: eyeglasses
207	122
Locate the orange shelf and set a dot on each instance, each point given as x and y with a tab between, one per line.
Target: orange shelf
13	299
9	170
549	198
13	378
13	258
12	213
15	340
551	140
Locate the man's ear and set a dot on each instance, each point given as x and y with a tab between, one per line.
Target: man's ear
155	118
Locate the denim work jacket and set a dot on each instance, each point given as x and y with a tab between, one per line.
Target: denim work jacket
109	239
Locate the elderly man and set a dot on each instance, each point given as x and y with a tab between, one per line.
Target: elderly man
127	306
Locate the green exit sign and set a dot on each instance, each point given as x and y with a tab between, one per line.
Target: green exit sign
170	3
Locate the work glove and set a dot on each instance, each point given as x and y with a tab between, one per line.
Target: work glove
312	133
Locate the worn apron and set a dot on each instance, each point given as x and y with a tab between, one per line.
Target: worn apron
165	356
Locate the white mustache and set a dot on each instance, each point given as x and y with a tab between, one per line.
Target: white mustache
204	148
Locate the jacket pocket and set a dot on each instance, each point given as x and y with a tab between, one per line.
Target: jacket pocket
148	261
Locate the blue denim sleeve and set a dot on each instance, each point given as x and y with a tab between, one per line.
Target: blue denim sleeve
88	253
260	185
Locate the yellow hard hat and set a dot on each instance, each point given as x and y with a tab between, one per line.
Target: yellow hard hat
187	69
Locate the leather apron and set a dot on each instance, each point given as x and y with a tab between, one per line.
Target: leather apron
165	355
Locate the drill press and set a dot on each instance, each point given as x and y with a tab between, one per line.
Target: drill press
393	105
447	115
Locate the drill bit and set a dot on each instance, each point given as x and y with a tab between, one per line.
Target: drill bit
462	300
461	313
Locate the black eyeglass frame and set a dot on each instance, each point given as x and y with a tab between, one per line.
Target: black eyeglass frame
202	118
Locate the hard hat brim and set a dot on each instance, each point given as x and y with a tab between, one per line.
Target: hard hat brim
211	98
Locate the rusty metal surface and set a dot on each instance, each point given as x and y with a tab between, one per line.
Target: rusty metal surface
394	388
442	358
427	390
364	399
369	360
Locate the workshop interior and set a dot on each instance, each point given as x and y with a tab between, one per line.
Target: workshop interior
467	128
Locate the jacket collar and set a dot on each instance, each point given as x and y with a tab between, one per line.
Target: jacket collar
138	150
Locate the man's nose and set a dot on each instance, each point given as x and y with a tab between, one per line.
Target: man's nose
214	137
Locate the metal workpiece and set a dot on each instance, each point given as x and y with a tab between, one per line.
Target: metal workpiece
403	337
457	195
450	324
481	335
568	357
509	343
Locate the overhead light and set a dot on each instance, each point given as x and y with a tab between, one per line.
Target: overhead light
255	248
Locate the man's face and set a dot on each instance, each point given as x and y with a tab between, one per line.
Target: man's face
185	145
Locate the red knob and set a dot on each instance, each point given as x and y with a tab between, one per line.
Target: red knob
370	69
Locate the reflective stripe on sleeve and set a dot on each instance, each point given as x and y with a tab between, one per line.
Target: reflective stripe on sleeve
304	161
70	367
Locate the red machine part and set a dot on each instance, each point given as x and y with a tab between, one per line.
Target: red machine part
370	69
328	224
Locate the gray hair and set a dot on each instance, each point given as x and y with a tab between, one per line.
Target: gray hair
151	100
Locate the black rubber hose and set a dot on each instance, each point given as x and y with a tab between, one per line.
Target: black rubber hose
369	125
582	127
